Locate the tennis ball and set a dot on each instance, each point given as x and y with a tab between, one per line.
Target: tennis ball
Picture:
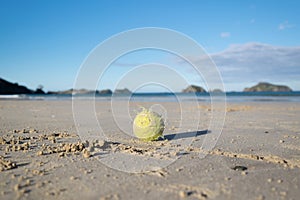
148	125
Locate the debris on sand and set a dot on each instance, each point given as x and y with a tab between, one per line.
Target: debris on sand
6	164
239	168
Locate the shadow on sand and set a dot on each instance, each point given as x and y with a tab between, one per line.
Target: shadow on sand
186	135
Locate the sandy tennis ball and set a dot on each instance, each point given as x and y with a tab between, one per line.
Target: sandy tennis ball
148	125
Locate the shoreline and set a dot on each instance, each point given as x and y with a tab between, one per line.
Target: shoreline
256	156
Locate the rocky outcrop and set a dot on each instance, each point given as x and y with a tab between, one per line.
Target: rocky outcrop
193	89
81	91
13	88
107	91
39	91
216	91
122	91
268	87
70	91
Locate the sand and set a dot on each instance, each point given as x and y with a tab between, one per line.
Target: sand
256	157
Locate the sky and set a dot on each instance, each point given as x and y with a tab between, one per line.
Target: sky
46	42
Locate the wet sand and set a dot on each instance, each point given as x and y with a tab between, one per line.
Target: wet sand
257	155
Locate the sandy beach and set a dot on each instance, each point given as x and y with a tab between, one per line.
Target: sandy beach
256	157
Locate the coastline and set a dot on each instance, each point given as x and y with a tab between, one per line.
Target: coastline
164	97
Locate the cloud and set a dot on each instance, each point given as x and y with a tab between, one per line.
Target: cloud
258	56
284	25
254	62
225	34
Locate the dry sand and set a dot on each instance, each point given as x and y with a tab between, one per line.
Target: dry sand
256	157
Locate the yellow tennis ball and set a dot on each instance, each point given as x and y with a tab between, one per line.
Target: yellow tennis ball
148	125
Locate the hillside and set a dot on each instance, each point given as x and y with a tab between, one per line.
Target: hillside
13	88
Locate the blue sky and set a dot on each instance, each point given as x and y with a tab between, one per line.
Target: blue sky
45	42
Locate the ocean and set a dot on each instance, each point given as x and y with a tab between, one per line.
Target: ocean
167	97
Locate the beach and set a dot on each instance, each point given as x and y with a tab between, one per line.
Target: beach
257	156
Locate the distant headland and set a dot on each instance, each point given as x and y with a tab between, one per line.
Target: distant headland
8	88
268	87
14	88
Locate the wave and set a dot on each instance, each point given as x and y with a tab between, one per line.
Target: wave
10	96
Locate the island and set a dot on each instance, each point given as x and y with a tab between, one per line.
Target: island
122	91
81	92
268	87
194	89
105	91
216	91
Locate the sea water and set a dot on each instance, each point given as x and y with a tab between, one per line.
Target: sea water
166	97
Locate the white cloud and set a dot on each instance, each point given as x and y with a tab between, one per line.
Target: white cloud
258	55
225	34
284	25
254	62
